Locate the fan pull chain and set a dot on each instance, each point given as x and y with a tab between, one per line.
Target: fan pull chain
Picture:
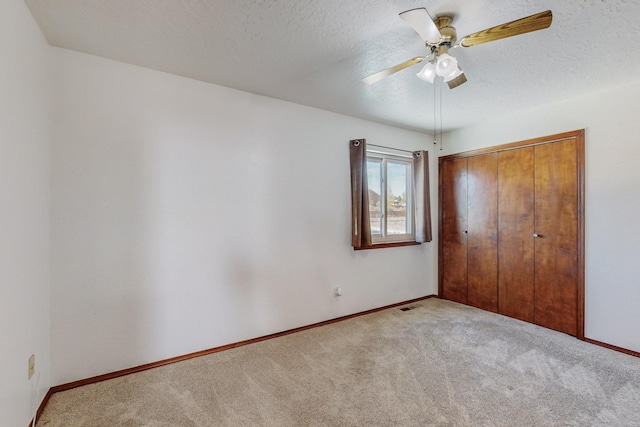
435	129
440	117
437	109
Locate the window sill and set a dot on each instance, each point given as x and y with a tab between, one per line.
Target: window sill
387	245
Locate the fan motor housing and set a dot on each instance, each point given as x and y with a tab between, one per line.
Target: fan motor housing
449	35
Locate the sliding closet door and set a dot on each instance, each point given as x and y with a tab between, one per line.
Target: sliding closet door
482	240
516	228
453	255
556	228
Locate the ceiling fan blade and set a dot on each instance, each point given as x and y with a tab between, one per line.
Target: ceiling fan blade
391	70
421	21
457	81
535	22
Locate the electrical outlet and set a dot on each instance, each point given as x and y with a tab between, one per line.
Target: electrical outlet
32	365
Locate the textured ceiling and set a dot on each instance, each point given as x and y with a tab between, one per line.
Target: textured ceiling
314	52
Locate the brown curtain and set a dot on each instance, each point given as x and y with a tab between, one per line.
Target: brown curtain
360	225
421	197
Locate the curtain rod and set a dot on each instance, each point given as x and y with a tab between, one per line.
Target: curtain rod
391	148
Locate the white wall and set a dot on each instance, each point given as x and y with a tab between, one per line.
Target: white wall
24	213
610	118
187	216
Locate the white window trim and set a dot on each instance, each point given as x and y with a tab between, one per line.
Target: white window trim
384	158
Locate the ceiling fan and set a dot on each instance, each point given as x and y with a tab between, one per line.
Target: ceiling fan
439	36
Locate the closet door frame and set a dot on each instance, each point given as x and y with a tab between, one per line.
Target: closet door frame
578	135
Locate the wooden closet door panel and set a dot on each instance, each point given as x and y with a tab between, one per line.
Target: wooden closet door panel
515	241
556	247
454	227
482	239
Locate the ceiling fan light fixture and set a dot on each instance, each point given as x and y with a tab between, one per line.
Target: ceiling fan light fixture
457	72
446	65
440	36
428	72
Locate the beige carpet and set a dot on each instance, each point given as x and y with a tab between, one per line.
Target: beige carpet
440	364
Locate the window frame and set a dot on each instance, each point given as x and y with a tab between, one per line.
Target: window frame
384	239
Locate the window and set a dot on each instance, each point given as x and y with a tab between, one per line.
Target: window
398	187
390	203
